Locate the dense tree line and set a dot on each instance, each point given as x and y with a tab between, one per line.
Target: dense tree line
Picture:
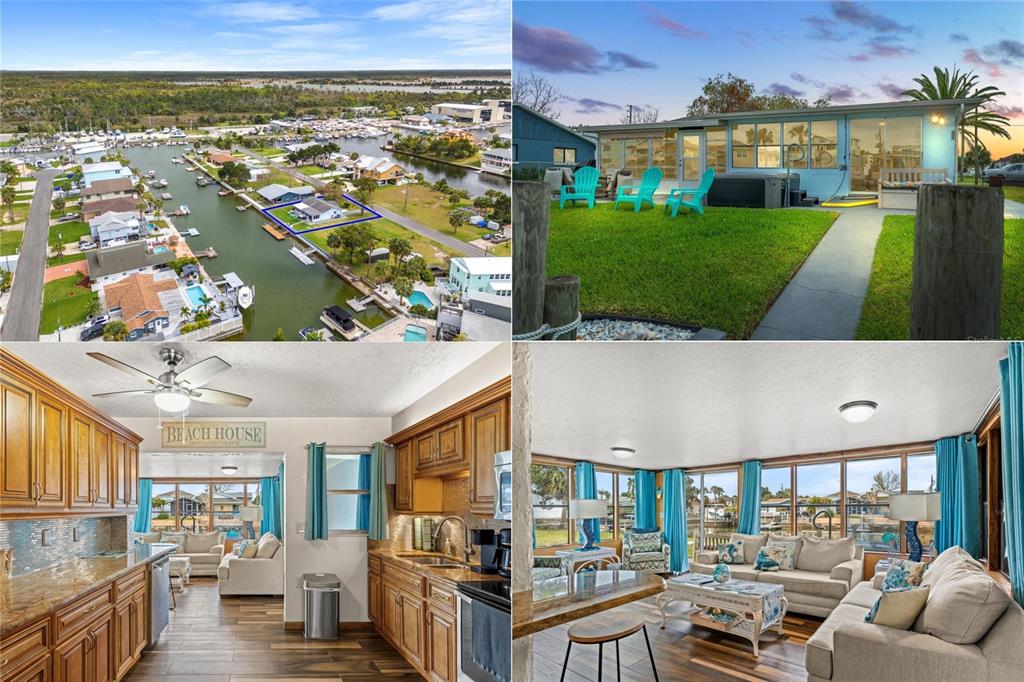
437	146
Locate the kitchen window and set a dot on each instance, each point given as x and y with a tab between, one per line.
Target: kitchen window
348	493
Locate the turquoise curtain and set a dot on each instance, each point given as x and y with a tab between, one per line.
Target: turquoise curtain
750	499
1011	399
363	503
270	502
956	463
646	509
675	519
586	489
143	515
316	492
378	526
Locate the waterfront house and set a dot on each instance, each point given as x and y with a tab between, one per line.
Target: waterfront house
219	157
105	170
256	173
382	170
122	204
836	150
115	227
317	210
544	143
489	275
279	194
497	160
109	189
111	264
143	303
468	113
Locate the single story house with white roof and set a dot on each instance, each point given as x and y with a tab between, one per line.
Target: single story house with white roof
279	194
317	210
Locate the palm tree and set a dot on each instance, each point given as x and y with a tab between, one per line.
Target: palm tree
403	287
399	248
57	245
957	85
115	330
94	308
7	195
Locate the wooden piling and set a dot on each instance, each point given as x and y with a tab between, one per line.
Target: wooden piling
958	263
529	254
562	303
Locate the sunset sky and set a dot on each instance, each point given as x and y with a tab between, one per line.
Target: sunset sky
604	56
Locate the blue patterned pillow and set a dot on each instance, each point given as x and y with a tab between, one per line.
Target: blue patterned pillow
897	578
767	559
731	553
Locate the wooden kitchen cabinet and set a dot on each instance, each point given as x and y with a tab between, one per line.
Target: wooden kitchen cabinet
441	450
81	461
99	467
132	491
403	477
443	637
86	656
25	654
391	612
17	482
38	671
426	446
129	635
411	634
488	429
50	460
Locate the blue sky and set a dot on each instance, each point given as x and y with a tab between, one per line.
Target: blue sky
212	35
606	55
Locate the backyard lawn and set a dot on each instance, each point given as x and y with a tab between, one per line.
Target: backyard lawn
432	252
70	231
10	241
65	303
721	270
311	170
1011	193
269	151
431	208
886	313
66	258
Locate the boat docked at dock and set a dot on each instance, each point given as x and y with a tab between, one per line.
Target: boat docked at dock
241	208
151	174
223	192
341	322
202	180
182	210
314	334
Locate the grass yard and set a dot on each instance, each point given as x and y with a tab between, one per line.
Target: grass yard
269	152
285	217
10	241
310	170
19	211
720	270
432	252
71	231
65	303
886	314
430	207
274	177
1011	193
66	258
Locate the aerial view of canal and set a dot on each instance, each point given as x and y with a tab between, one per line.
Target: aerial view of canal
288	294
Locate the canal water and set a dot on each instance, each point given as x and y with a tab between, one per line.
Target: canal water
289	295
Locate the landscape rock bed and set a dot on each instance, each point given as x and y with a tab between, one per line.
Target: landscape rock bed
609	329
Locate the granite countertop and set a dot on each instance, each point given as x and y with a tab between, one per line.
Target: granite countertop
556	601
27	598
453	575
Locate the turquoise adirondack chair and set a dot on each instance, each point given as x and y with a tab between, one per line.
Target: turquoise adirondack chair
690	197
644	193
585	187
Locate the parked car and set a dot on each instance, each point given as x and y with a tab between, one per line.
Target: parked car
69	216
1013	171
91	332
100	319
86	246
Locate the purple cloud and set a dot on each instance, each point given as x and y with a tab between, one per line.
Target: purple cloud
958	37
780	89
841	94
884	47
588	105
857	15
1006	52
823	29
1008	110
746	38
806	80
891	90
971	56
676	28
556	51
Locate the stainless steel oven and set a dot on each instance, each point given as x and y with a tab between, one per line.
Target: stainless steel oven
485	598
503	485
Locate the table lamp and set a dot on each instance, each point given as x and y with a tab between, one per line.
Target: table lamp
914	507
583	511
248	515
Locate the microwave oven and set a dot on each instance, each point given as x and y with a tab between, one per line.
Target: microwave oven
503	485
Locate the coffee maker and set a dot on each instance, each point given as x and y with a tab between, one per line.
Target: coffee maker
503	552
495	550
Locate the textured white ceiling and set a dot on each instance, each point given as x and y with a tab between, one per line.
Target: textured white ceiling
691	404
283	379
208	464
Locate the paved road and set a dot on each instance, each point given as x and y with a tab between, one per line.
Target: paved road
21	323
408	223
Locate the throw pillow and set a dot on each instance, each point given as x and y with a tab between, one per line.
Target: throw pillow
174	538
898	608
787	551
964	605
249	550
732	553
824	555
913	569
645	542
798	539
769	558
896	578
201	543
267	546
751	545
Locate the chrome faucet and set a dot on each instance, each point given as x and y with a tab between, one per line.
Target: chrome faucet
467	547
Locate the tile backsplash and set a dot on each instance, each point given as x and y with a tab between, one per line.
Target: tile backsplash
94	535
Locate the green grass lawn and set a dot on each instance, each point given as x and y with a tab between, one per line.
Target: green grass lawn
10	241
285	217
19	211
66	258
310	170
65	303
886	313
432	252
268	151
71	231
1011	193
427	206
721	270
548	537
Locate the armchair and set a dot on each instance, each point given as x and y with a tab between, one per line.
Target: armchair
545	567
646	552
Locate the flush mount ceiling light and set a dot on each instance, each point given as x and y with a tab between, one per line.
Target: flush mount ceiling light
229	470
171	399
858	411
623	453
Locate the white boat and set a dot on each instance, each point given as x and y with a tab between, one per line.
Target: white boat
176	160
245	297
151	173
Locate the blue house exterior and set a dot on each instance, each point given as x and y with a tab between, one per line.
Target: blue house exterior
540	142
836	151
105	170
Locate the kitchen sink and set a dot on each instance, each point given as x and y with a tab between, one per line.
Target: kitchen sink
434	561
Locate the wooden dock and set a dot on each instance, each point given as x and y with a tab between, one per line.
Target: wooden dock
273	231
206	253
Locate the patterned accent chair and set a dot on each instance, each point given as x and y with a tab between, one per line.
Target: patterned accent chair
646	551
545	567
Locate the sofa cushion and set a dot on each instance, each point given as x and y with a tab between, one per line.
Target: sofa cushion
751	544
731	553
645	542
769	559
204	558
954	556
807	582
862	594
224	567
198	543
798	539
149	538
788	549
963	605
824	555
898	608
175	538
267	546
818	654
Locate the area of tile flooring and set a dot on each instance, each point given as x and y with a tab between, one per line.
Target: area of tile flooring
682	652
240	639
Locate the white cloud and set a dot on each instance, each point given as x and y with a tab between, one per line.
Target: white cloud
262	12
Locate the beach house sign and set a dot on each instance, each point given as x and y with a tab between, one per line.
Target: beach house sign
214	435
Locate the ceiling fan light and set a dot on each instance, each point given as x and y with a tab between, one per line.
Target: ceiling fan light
171	400
229	470
858	411
623	453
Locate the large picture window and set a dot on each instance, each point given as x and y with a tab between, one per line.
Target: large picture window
605	491
824	144
711	508
716	150
201	506
744	144
869	483
795	136
549	487
776	500
817	500
625	514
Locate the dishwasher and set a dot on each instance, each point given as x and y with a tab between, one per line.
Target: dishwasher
159	598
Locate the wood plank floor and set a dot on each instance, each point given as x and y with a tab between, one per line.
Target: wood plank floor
681	651
241	639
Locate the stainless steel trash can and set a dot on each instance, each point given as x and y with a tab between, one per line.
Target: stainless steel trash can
323	596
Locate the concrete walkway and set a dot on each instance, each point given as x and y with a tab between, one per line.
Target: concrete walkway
825	297
1012	209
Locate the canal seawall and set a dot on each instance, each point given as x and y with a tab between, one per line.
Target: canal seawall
464	166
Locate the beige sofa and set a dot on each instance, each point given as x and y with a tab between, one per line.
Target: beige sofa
813	590
262	574
204	550
962	603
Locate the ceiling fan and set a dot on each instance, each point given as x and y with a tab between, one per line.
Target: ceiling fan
173	390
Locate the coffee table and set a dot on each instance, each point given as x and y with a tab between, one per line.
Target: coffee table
571	557
749	608
180	573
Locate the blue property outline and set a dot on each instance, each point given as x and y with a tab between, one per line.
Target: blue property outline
267	212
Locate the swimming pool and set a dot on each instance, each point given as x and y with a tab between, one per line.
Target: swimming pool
160	249
415	333
195	295
418	297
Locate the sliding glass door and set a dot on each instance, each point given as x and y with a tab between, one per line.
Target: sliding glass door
877	144
711	509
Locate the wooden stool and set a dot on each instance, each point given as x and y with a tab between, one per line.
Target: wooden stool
607	627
